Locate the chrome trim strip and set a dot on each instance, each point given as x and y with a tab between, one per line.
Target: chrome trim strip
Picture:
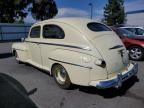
70	63
116	47
70	46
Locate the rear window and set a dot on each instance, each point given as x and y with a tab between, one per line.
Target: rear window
97	27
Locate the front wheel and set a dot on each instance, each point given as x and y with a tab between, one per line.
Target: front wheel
136	53
61	76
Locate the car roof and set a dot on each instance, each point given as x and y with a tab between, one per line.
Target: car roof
75	21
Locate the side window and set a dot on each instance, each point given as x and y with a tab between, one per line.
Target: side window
53	32
35	32
131	30
140	31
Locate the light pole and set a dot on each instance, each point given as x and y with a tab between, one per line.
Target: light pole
91	8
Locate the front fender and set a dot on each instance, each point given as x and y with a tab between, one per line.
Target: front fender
22	51
19	46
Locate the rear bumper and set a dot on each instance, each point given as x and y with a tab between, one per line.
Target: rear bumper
117	80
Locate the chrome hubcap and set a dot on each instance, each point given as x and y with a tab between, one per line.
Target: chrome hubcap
60	74
135	53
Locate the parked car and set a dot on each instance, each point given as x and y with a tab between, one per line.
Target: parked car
77	51
135	44
139	31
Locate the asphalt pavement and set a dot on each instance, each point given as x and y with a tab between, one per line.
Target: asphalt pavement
49	95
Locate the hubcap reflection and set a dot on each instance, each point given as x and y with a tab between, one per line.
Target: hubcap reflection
60	74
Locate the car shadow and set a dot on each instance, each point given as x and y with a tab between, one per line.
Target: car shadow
5	55
39	69
106	93
111	92
141	60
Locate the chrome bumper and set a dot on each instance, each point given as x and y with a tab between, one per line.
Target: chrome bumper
119	79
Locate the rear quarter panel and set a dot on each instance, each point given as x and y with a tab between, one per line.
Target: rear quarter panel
78	65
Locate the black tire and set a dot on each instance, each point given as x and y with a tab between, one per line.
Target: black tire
136	53
61	76
14	82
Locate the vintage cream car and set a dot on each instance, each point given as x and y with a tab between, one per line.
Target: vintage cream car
77	51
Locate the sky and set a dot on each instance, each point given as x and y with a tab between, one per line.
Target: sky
81	8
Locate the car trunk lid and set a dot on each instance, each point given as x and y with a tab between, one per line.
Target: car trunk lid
112	50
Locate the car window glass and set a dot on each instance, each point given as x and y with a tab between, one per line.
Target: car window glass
125	32
35	32
132	30
97	27
53	32
140	31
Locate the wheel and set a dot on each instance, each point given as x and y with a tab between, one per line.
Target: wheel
61	76
136	53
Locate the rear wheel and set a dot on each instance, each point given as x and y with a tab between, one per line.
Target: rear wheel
61	76
136	53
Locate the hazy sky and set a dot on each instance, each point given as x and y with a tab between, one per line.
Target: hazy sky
80	8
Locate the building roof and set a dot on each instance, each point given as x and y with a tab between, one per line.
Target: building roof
134	12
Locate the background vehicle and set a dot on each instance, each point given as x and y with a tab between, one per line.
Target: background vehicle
136	30
135	44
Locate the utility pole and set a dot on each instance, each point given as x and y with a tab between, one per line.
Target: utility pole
91	9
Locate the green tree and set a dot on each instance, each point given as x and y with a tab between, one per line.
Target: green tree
43	9
11	10
114	13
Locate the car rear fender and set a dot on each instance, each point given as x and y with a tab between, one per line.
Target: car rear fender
78	65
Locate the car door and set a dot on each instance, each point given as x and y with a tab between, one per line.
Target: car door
34	46
52	36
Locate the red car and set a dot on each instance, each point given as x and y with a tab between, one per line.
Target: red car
135	44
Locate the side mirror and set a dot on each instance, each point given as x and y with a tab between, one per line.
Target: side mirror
22	39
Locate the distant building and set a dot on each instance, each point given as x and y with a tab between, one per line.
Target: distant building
13	31
135	18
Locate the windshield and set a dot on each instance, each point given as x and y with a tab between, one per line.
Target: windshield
126	32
